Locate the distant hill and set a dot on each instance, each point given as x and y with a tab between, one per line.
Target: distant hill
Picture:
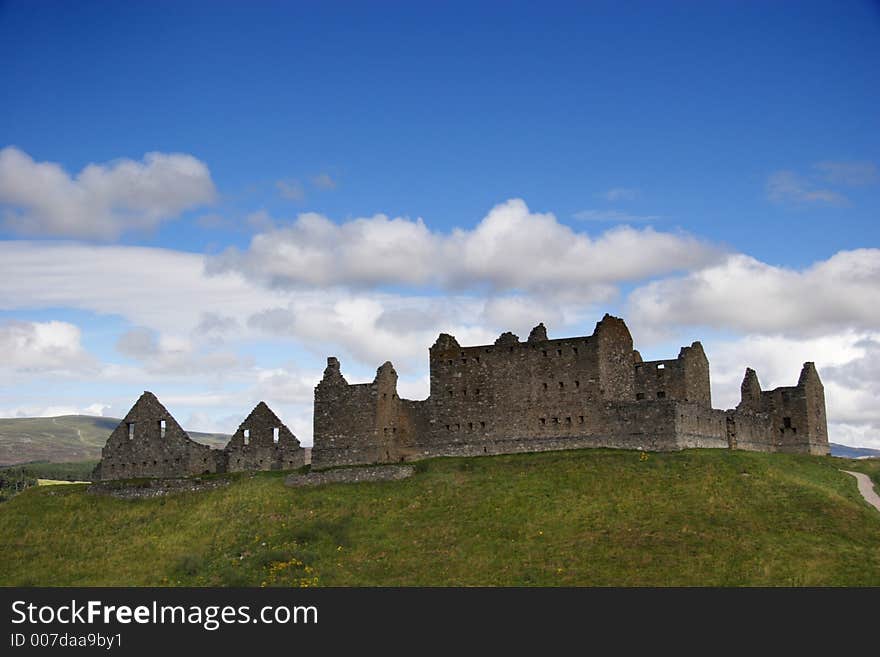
847	452
66	438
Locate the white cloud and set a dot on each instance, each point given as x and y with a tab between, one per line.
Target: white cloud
777	360
260	220
138	343
853	174
511	248
291	189
96	409
149	287
215	326
174	355
42	347
620	194
287	390
855	435
314	251
743	294
273	321
324	182
519	314
168	295
614	216
416	388
103	200
789	187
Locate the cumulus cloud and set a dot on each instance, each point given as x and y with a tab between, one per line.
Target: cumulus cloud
215	325
519	314
175	355
511	248
614	216
374	328
854	174
96	409
324	181
411	318
787	187
743	294
288	390
291	189
273	321
163	291
150	287
620	194
42	347
103	200
853	386
138	343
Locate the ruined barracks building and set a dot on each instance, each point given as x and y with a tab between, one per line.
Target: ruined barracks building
150	443
542	394
510	396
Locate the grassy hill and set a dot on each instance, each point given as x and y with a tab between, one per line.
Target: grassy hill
66	438
591	517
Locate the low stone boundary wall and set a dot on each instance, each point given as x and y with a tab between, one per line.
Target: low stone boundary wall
351	475
154	487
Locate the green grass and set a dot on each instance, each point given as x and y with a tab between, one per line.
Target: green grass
591	517
870	467
73	471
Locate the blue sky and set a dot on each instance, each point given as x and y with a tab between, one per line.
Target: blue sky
705	169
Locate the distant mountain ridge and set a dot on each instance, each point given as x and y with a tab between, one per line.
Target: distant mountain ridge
847	452
67	438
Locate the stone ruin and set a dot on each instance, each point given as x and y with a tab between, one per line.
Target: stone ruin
262	442
511	396
150	443
552	394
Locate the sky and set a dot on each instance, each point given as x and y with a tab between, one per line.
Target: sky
207	199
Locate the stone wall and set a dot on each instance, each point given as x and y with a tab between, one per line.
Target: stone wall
750	430
150	443
263	442
351	475
786	419
510	396
698	425
365	422
546	393
685	378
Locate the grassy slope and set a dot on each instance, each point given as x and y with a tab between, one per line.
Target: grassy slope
592	517
65	438
69	471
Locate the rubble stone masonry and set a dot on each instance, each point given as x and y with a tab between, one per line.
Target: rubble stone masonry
548	394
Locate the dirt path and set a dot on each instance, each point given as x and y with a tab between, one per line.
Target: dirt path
866	488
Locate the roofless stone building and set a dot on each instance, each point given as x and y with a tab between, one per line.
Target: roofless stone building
150	443
550	394
510	396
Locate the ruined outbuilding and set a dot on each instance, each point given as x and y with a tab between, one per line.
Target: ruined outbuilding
549	394
263	442
150	443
